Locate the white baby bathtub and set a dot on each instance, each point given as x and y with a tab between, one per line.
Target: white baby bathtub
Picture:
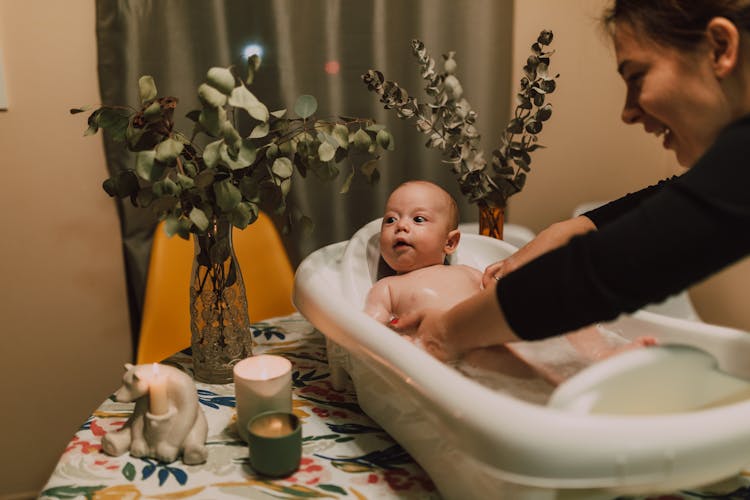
647	421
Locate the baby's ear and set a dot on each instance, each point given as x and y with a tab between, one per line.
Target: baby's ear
451	244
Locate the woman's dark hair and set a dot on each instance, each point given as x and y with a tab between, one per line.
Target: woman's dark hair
676	23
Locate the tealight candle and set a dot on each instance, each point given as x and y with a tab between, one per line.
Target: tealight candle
158	401
261	383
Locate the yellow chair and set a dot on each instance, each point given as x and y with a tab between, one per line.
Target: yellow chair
266	271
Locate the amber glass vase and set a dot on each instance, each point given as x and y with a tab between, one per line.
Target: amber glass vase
491	218
219	321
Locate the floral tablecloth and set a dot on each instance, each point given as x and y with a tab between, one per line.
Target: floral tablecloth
345	454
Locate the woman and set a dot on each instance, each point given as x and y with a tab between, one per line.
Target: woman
686	64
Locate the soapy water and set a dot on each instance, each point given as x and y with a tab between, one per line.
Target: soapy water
530	371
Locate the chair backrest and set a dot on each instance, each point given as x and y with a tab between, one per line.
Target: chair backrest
266	271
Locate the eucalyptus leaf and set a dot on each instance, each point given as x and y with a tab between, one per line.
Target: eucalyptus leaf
184	181
253	63
227	195
115	122
249	188
247	153
205	178
285	186
233	163
259	131
360	140
347	182
170	187
211	153
282	168
221	79
153	111
385	140
305	106
210	96
544	113
168	150
199	218
243	98
341	134
146	88
375	127
244	214
144	162
326	172
368	167
144	197
232	138
190	168
171	225
272	151
212	120
326	152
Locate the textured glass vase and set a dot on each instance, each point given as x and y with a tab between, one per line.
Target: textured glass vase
491	219
219	322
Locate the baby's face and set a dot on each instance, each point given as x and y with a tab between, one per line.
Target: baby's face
415	229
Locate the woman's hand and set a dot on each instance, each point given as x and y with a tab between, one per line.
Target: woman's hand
476	322
429	330
553	237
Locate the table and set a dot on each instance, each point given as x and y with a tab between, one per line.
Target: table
345	453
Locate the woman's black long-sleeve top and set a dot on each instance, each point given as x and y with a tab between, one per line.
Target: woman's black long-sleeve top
648	245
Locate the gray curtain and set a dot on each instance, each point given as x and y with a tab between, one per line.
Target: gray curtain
177	41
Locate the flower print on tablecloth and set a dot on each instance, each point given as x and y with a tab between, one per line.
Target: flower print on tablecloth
345	454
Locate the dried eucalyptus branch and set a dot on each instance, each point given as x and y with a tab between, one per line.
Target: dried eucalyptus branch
449	122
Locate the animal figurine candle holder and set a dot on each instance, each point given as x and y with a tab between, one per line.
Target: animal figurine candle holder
167	420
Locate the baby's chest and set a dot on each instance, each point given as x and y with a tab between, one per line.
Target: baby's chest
438	294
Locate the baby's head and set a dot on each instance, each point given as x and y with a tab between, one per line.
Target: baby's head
420	226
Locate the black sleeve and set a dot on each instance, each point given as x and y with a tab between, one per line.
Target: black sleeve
692	227
603	215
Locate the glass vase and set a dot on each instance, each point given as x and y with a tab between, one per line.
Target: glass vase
491	218
219	321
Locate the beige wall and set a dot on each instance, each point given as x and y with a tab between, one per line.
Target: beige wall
65	330
591	154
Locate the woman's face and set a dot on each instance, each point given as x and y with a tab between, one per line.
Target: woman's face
672	92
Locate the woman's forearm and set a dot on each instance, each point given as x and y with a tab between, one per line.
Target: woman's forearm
477	322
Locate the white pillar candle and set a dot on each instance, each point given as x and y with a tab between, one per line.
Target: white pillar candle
158	401
261	383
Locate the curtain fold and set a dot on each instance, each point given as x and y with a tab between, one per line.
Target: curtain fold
177	41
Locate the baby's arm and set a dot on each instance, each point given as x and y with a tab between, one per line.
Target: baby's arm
378	303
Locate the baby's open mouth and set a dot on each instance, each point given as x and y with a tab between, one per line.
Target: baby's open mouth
401	244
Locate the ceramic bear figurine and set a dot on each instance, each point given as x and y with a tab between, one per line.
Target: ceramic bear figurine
181	430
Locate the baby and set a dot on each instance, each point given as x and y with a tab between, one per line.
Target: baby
419	230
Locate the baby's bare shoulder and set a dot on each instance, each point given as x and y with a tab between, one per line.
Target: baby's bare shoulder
468	270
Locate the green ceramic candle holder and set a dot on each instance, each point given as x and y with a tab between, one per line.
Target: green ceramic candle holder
275	443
